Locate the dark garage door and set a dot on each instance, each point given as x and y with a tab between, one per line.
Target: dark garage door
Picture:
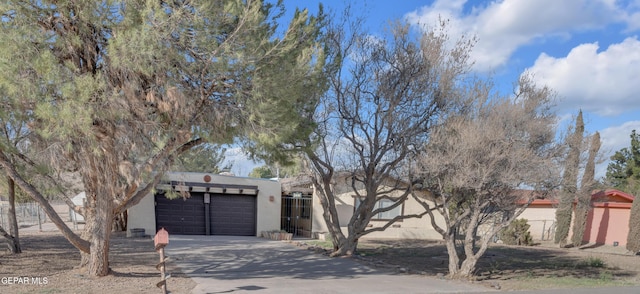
233	215
181	216
228	215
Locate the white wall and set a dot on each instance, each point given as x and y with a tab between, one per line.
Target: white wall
142	215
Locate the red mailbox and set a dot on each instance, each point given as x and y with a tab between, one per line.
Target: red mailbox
161	239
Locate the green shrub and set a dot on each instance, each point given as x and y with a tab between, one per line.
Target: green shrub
517	233
594	262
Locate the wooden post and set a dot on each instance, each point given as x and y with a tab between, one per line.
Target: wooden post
160	241
39	219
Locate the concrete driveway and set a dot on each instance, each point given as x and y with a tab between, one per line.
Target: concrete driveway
225	264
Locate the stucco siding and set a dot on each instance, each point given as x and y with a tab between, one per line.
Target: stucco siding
411	228
268	200
142	215
541	219
607	225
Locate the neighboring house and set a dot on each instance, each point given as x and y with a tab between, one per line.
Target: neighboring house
305	215
78	200
541	217
607	221
210	205
227	205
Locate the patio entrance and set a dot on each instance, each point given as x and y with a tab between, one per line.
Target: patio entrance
296	214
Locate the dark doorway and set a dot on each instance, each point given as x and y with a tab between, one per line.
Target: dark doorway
296	215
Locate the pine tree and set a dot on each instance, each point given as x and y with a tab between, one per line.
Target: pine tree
625	166
116	90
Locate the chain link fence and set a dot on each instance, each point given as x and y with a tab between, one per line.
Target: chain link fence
28	214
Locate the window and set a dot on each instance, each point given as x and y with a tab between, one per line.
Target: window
382	203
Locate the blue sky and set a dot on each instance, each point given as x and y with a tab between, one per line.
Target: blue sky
588	51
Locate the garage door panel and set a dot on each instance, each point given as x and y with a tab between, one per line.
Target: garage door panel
233	215
181	216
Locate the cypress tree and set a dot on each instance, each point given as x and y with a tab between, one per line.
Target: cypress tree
569	183
633	239
586	188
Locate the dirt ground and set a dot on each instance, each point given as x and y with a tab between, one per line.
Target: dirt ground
48	260
509	267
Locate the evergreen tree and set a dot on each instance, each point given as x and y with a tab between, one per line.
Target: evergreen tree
624	167
633	239
586	189
206	158
569	183
116	90
262	172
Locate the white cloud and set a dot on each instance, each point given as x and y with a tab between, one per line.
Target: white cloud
605	82
504	26
614	139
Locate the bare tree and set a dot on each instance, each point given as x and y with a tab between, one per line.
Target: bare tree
477	159
384	97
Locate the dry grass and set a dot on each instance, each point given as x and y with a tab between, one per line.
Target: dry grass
47	255
512	267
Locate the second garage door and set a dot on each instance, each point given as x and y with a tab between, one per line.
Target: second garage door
233	215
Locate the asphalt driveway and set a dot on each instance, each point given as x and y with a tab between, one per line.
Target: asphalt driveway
226	264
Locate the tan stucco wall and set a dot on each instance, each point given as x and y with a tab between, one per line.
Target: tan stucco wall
142	215
411	228
541	219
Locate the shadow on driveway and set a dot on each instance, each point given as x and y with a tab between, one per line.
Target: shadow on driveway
226	264
229	258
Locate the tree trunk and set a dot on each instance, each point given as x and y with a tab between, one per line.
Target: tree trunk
13	246
14	242
467	268
454	259
120	222
98	224
347	247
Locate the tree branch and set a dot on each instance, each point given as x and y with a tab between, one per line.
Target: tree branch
73	238
134	199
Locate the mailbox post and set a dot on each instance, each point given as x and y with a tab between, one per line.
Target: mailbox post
160	241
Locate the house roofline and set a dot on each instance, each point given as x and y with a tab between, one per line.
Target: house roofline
613	192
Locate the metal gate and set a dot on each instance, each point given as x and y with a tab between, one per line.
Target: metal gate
296	215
